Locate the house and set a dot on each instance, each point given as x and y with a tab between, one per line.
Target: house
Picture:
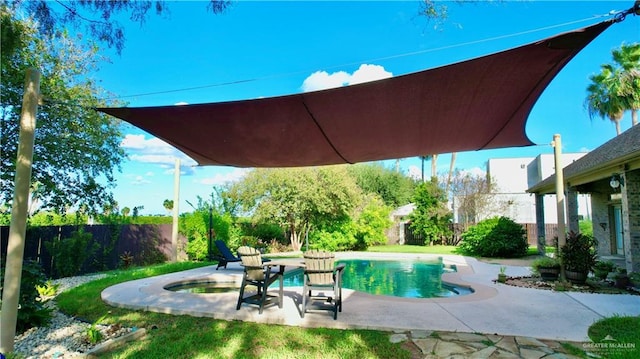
512	177
400	219
610	174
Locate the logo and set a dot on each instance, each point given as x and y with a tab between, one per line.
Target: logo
609	345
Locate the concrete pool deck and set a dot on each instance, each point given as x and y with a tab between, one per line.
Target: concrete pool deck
495	309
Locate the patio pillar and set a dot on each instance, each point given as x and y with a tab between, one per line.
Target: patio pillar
540	225
631	219
572	210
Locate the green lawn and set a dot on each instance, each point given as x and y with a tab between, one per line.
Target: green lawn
437	249
171	336
625	335
174	336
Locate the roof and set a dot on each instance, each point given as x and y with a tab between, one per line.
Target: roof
477	104
405	210
622	151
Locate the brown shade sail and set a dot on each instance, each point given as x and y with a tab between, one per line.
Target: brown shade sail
472	105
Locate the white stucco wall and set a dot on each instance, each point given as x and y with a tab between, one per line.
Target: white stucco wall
513	176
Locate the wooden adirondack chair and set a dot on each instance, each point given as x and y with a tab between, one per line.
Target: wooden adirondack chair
323	277
258	273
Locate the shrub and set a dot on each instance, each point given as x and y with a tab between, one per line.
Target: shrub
431	217
195	227
544	262
263	231
586	227
579	253
197	248
371	224
93	333
32	312
602	269
69	254
495	237
332	241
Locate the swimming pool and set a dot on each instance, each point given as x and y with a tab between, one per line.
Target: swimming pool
399	278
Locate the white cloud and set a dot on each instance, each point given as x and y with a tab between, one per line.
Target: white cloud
150	158
475	171
140	180
222	178
152	145
415	172
584	149
368	73
321	80
155	151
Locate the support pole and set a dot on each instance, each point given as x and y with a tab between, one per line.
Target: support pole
542	236
176	201
557	151
19	209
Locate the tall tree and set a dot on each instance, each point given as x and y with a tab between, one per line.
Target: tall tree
452	165
168	205
434	167
76	149
474	197
602	99
394	188
100	19
616	88
627	58
431	217
298	198
422	160
97	18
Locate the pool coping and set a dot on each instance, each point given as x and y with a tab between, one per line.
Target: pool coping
493	308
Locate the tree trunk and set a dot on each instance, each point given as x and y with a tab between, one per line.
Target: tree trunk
434	163
634	117
452	164
296	242
616	120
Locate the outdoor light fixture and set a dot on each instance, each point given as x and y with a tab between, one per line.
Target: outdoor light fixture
616	181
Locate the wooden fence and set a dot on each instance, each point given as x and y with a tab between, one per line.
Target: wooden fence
147	244
531	229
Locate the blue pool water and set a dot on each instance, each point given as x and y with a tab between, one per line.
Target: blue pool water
399	278
409	279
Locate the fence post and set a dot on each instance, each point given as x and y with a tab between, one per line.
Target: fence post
176	201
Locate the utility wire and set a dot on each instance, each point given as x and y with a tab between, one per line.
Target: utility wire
414	53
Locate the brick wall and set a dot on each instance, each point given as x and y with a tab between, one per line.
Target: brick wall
631	221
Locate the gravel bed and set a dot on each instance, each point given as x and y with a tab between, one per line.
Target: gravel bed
65	336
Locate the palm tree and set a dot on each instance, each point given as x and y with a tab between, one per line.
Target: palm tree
452	164
168	205
628	60
422	159
434	164
602	99
617	87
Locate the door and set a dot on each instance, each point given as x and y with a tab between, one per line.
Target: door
617	229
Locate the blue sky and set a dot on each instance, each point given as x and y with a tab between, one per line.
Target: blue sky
264	49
